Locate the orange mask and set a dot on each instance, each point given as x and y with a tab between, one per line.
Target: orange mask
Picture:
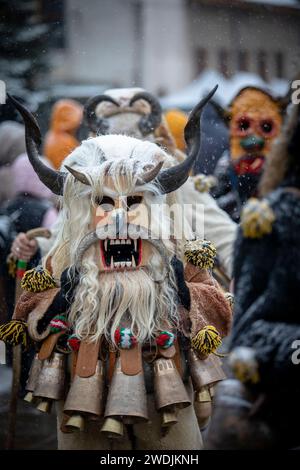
255	121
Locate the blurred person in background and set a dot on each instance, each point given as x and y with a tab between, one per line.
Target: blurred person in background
254	118
30	207
176	121
61	138
12	144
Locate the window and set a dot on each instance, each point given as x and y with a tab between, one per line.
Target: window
201	59
243	61
279	64
262	64
223	62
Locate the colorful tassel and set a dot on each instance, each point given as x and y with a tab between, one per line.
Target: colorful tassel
165	339
124	338
207	340
37	279
204	183
200	253
14	333
21	268
74	343
257	218
58	323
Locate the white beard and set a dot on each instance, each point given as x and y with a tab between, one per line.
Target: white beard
124	299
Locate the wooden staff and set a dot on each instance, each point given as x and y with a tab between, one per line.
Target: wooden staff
17	350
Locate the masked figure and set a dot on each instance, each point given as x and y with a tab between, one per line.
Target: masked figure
114	298
263	404
254	118
137	113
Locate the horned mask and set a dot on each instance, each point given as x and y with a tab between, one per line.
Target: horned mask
254	118
110	230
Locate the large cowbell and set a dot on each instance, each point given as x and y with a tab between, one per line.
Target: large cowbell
33	376
85	399
204	372
51	381
170	392
126	402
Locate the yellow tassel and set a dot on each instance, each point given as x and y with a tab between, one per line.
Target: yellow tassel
11	265
257	218
204	183
37	280
14	332
207	340
200	253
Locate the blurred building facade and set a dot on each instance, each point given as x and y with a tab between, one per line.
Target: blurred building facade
165	44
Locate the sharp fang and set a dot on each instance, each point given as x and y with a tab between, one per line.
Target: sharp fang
128	241
112	262
128	264
133	261
135	245
117	242
105	245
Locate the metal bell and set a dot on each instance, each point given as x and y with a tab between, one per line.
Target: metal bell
203	407
205	371
34	372
45	406
86	396
113	428
51	381
127	397
169	418
74	423
169	390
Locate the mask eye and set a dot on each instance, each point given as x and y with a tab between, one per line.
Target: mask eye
266	126
133	201
243	124
106	203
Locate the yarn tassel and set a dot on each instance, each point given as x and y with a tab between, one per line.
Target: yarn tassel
14	332
37	279
207	340
201	253
59	323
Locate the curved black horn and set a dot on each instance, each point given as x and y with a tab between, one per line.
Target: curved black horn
94	123
151	121
174	177
54	180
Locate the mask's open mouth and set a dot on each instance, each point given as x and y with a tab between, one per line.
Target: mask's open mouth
121	253
250	164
